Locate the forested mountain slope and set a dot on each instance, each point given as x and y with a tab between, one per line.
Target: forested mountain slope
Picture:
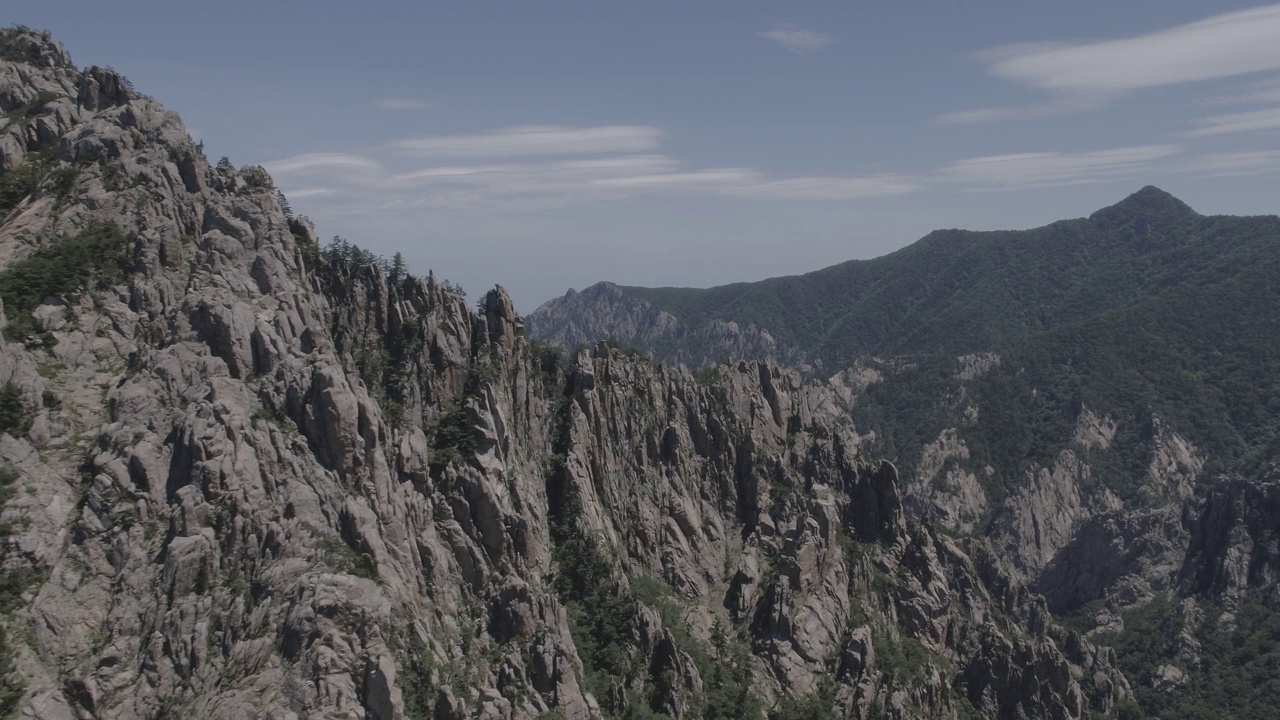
953	291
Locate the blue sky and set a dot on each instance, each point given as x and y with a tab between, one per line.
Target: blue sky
548	145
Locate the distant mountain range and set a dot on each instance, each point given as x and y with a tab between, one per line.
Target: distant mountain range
953	290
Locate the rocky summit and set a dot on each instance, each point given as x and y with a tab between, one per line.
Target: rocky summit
245	475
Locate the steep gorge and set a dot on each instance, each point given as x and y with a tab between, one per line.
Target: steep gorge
254	477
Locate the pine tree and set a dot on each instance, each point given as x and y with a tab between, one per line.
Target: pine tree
397	272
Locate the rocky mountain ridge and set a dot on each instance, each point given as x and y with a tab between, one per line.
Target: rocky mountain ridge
248	476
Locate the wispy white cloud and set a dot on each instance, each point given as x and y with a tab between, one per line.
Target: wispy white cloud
524	182
747	183
1237	163
539	175
525	169
1253	121
526	140
797	40
314	161
1265	92
392	103
1220	46
306	192
1061	104
718	179
1041	169
833	188
1085	75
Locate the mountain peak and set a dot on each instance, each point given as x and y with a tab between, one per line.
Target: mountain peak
1149	204
35	47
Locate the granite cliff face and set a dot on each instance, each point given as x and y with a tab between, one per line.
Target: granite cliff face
248	477
1123	519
